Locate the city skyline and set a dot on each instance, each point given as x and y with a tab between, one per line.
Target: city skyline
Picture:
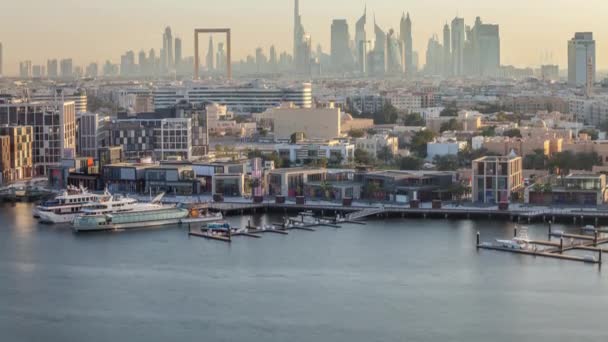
519	46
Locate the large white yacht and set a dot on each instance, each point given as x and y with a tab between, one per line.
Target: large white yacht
65	207
121	213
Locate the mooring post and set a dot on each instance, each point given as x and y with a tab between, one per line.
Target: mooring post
549	234
600	257
561	244
595	239
515	231
248	224
477	240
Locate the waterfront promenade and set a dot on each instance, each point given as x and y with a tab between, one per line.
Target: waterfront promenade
364	209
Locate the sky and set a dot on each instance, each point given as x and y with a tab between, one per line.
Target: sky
93	31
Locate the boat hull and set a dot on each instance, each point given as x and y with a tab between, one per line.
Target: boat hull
101	223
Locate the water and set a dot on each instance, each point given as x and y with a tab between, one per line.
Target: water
391	280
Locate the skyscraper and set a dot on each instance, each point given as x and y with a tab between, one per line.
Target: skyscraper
66	69
406	38
447	51
394	54
168	48
272	59
25	69
298	30
210	55
379	53
341	56
581	58
51	68
458	40
220	58
1	59
361	43
487	49
178	52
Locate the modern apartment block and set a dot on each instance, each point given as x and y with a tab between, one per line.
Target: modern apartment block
497	179
150	135
54	129
16	158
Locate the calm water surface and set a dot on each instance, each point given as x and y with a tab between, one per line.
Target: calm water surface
391	280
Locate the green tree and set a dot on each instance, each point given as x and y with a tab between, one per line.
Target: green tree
452	125
488	131
385	154
446	163
419	141
409	163
536	161
592	133
387	115
413	119
512	133
362	157
356	133
450	110
294	137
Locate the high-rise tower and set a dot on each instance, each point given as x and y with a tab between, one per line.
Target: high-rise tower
581	58
458	40
168	48
210	55
447	51
361	43
406	38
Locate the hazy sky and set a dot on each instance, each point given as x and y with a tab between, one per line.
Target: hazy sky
103	29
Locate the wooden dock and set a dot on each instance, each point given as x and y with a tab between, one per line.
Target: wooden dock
556	249
210	236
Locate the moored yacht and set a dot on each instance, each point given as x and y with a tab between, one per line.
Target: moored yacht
65	207
112	216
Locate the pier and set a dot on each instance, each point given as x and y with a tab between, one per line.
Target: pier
555	249
361	211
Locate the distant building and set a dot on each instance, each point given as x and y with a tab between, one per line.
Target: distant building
497	179
66	69
341	55
573	189
581	51
315	123
375	144
241	99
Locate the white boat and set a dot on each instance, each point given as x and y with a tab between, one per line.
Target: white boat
117	214
511	244
65	207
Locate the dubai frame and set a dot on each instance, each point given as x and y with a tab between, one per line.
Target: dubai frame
228	50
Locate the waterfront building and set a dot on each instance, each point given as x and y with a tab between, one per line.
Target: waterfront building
403	186
54	129
581	57
5	159
573	189
497	179
150	135
290	182
87	133
19	141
